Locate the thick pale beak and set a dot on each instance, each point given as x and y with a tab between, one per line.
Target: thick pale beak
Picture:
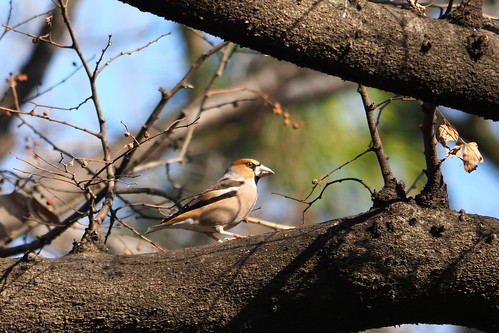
262	171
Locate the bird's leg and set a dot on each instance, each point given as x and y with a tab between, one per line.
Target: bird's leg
414	4
212	236
221	230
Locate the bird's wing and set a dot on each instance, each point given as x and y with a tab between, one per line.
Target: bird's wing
223	189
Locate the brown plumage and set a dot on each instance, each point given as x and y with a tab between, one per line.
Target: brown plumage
224	205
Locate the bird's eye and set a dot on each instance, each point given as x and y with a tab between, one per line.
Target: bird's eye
250	165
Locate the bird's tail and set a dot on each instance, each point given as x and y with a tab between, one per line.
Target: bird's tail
156	228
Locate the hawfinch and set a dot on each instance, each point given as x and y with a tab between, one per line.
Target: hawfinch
224	205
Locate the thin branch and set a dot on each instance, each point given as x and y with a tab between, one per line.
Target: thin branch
369	107
140	235
36	38
360	181
52	144
98	71
35	115
55	232
165	98
413	185
104	50
435	191
144	190
29	19
317	182
57	84
433	171
9	16
268	224
13	84
319	197
218	73
168	130
110	168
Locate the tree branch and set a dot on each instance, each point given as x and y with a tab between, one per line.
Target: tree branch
434	193
404	264
379	46
392	190
34	68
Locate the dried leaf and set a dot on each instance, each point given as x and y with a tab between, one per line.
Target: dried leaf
471	156
446	133
457	150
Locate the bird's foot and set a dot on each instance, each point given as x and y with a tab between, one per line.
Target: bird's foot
234	236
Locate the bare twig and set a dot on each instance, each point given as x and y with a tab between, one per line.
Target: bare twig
110	168
317	182
144	190
36	38
430	142
269	224
33	114
223	62
140	235
377	146
392	190
47	238
435	191
13	86
413	185
99	70
9	16
168	130
166	95
319	197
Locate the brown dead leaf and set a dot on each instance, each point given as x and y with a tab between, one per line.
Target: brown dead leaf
456	151
471	156
447	133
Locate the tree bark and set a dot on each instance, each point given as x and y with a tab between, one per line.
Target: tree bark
404	264
376	45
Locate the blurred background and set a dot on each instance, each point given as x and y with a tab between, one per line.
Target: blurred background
322	125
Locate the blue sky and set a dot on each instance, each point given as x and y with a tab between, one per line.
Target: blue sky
129	86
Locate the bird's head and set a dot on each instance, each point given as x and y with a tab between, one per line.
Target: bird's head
249	168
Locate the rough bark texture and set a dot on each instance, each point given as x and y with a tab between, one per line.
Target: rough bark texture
404	264
377	45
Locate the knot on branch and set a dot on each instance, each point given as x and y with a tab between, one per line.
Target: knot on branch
91	242
476	46
468	14
434	195
393	191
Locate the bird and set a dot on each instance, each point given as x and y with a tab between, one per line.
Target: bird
222	206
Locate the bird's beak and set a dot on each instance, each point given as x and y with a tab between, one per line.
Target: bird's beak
262	171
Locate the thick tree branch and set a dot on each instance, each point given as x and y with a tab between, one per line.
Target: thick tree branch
404	264
380	46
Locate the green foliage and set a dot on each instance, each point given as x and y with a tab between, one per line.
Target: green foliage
330	132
